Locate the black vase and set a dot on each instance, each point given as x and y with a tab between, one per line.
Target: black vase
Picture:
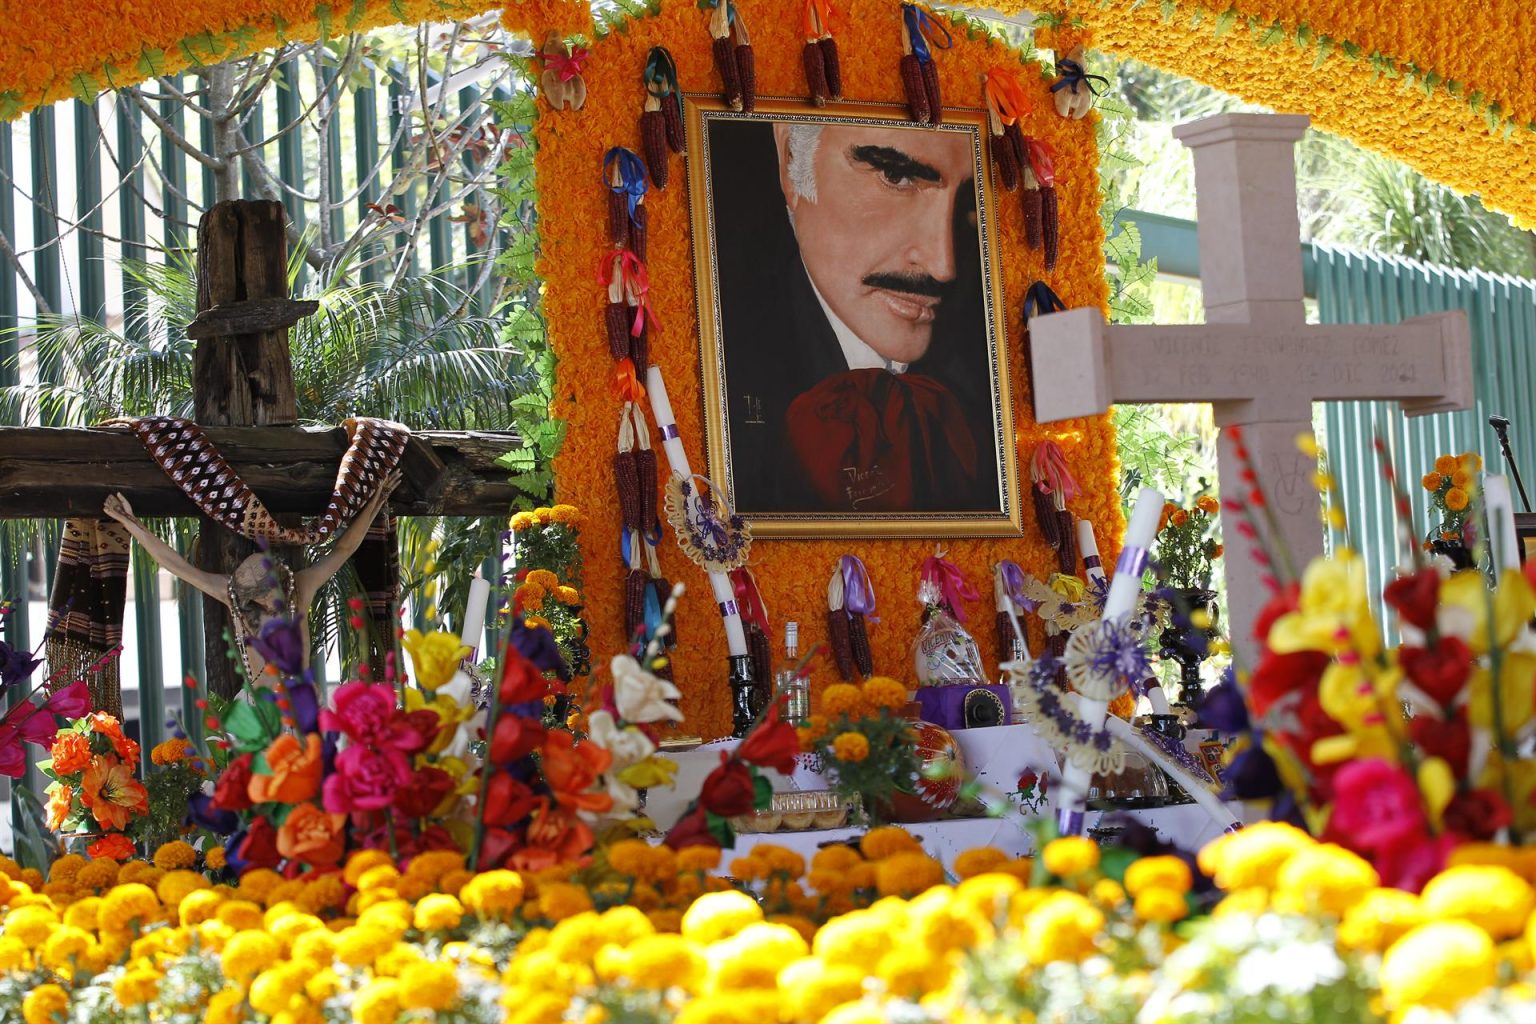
1457	551
1187	643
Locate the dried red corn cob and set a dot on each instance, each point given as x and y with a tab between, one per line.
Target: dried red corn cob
653	133
635	584
645	468
1057	642
833	65
626	478
1045	516
637	235
930	70
858	640
639	345
730	77
1066	555
761	651
841	643
746	67
1004	160
1004	638
618	219
1034	215
672	110
616	323
912	84
815	72
1050	226
1013	135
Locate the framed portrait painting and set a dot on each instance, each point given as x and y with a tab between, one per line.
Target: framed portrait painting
851	320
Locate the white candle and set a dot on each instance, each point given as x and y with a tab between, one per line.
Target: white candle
474	612
1503	540
677	458
1088	547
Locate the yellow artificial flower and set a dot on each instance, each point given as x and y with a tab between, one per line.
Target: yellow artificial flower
1334	612
435	656
652	772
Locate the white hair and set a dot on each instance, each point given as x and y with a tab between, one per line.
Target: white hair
803	141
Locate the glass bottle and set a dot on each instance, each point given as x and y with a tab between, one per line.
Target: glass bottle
746	698
795	690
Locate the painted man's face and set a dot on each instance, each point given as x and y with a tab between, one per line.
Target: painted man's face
878	238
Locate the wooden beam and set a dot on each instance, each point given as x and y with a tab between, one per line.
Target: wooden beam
50	472
249	316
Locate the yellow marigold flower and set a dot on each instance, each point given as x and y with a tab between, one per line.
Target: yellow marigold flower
851	747
1253	856
31	924
629	857
66	867
1431	482
1158	872
1471	461
438	912
45	1004
811	989
134	901
429	985
1493	898
842	699
65	945
1462	479
178	885
170	752
521	521
380	876
1070	856
1440	965
1326	878
1378	919
224	1007
83	914
248	953
378	1002
885	692
1063	926
1445	465
1164	906
1456	499
1208	504
567	595
1178	518
561	900
136	986
730	1008
360	945
907	874
241	915
909	971
15	955
781	860
753	957
493	894
947	926
99	874
358	863
256	883
1108	892
215	858
698	858
882	842
324	893
543	579
719	915
858	938
273	989
840	857
317	946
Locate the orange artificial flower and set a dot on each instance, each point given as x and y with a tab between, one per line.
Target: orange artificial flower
293	771
112	846
558	832
106	725
312	836
111	793
60	799
71	753
572	768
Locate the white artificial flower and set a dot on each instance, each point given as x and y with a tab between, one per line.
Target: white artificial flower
458	688
640	696
628	746
626	799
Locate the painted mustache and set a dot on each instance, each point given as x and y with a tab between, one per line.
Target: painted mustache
913	284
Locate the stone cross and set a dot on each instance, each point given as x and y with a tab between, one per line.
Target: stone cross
1256	360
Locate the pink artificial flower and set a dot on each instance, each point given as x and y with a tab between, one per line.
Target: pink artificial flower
39	729
73	701
365	779
1378	814
13	758
363	711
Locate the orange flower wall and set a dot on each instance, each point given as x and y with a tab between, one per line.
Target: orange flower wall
572	217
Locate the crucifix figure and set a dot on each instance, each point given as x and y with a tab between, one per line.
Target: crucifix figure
1256	360
262	588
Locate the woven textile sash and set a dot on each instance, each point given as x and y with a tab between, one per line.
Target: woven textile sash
85	609
192	462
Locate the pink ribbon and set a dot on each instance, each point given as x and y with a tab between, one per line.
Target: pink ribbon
858	592
1048	469
637	282
749	600
566	67
951	583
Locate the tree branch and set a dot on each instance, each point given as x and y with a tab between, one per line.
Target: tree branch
43	308
169	131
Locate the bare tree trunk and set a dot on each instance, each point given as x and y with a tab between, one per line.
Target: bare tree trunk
226	132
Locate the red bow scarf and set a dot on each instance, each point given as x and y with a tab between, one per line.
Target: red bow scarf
873	441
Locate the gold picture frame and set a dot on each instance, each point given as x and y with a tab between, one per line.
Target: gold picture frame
751	333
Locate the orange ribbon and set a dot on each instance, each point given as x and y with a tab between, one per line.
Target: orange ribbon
1006	97
624	384
820	16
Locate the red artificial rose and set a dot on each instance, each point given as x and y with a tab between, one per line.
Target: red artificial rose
414	731
692	830
507	800
1477	814
773	744
1449	739
1287	600
1440	671
1415	596
419	797
498	845
233	790
521	680
729	791
1280	675
260	847
515	737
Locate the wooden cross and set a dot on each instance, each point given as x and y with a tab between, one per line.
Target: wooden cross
1256	360
243	392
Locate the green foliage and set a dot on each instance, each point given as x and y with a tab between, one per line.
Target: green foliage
891	765
1186	547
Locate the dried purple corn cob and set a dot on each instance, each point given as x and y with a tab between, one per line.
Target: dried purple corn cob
639	344
761	651
1050	226
626	475
912	84
930	70
1034	213
1066	555
616	324
635	584
1004	160
833	65
1004	638
653	133
637	233
841	643
1045	516
730	76
746	68
645	468
815	72
618	219
858	640
672	110
1013	137
1057	643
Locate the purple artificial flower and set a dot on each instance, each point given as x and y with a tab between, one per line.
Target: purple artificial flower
305	707
538	645
281	643
201	812
1224	709
15	666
